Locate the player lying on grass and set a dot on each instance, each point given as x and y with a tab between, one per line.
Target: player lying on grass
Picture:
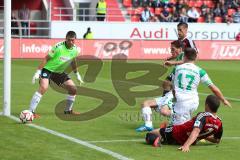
162	104
206	125
52	68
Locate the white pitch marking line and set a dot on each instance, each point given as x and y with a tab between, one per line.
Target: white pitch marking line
117	140
142	140
231	138
205	94
228	98
75	140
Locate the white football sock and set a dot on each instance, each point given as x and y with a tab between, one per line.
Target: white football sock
35	101
147	116
70	100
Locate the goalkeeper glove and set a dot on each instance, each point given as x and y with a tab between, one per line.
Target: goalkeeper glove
79	78
36	76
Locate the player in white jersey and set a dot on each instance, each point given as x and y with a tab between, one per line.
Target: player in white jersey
162	104
186	78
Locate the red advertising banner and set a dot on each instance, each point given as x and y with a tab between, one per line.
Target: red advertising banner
133	49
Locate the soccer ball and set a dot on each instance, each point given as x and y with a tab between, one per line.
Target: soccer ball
26	116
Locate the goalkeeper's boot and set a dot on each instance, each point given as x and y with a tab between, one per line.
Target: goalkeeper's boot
144	128
72	112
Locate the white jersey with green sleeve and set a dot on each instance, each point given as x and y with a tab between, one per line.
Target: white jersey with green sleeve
60	57
186	78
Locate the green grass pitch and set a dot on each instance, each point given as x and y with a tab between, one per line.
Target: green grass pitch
18	141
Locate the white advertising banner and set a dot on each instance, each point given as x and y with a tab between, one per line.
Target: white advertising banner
133	49
150	31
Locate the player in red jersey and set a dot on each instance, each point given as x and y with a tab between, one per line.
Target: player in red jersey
184	42
187	42
206	125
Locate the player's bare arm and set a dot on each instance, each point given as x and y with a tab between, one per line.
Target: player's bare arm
191	139
171	63
219	94
171	58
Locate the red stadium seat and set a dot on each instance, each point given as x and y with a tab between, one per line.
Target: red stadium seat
33	29
173	1
201	20
231	11
158	11
170	10
139	10
209	3
127	3
199	3
191	3
218	19
151	9
130	11
135	18
181	2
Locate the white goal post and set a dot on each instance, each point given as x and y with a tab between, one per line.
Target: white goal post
7	59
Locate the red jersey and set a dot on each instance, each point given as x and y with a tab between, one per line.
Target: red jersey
207	122
188	43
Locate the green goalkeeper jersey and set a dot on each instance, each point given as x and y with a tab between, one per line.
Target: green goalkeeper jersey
60	57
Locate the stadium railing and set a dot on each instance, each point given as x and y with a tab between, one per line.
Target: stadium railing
86	14
36	28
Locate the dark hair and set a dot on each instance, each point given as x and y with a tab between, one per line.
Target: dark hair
150	138
177	43
190	54
213	103
71	34
184	24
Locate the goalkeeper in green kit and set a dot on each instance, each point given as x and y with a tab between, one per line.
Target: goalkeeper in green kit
52	68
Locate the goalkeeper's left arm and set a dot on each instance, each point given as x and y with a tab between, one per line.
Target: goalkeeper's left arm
74	67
